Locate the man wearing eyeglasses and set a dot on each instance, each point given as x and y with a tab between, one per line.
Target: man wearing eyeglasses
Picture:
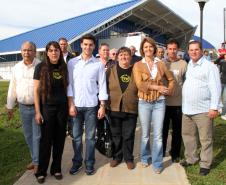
21	90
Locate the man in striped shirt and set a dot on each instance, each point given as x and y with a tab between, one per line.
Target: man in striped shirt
200	102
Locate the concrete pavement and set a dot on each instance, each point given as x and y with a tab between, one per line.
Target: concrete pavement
173	173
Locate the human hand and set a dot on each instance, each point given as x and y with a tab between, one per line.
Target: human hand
72	111
101	113
212	114
39	118
10	113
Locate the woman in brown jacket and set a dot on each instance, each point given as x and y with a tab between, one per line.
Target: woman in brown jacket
123	102
149	74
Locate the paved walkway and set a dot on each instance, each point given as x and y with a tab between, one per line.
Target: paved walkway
173	174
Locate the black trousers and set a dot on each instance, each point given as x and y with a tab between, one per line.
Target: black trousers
123	134
173	114
53	132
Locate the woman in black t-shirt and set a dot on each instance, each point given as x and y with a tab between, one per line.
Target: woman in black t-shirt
51	110
123	104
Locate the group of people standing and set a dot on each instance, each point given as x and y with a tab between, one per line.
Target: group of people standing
86	88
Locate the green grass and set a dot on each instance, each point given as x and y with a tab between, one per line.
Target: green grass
217	175
14	154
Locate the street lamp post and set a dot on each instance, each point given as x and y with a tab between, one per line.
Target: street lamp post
201	6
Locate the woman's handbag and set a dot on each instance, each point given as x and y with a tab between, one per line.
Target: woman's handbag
103	137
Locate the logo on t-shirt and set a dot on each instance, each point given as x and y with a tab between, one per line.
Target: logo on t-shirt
125	78
56	75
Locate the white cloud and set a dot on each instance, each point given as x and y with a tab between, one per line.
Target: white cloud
20	16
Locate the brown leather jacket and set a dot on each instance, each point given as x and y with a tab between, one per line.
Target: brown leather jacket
143	80
128	99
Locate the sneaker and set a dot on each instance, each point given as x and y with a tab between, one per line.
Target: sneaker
75	169
90	170
204	171
223	117
130	165
114	163
144	165
157	171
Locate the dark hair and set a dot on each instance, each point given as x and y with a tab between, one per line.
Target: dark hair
195	42
123	49
62	38
149	40
172	41
46	80
88	37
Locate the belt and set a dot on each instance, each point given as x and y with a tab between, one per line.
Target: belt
29	105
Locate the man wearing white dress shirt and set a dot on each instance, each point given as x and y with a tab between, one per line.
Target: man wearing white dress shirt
21	90
86	79
200	103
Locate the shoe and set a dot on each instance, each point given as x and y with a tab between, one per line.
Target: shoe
40	179
204	171
30	166
58	176
176	160
114	163
144	165
75	169
157	171
89	170
35	169
223	117
185	164
130	165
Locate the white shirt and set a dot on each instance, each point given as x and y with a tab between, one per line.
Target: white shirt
153	71
21	86
202	88
86	80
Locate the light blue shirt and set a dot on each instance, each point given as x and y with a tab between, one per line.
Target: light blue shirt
86	80
202	88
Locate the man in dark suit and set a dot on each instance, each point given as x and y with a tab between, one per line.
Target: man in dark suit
67	56
135	58
64	48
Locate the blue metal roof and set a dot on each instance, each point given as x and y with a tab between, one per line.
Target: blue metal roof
69	28
205	43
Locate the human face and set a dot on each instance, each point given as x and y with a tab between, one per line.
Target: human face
112	54
104	52
53	54
87	47
133	50
148	49
63	46
28	53
194	52
172	50
160	53
124	59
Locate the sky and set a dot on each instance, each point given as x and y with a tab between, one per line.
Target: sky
20	16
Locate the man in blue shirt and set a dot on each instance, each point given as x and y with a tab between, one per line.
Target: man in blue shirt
86	80
201	95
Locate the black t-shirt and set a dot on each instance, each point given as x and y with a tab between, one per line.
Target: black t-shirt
124	76
58	94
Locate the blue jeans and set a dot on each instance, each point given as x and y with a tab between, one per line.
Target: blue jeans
31	129
86	116
152	114
224	98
